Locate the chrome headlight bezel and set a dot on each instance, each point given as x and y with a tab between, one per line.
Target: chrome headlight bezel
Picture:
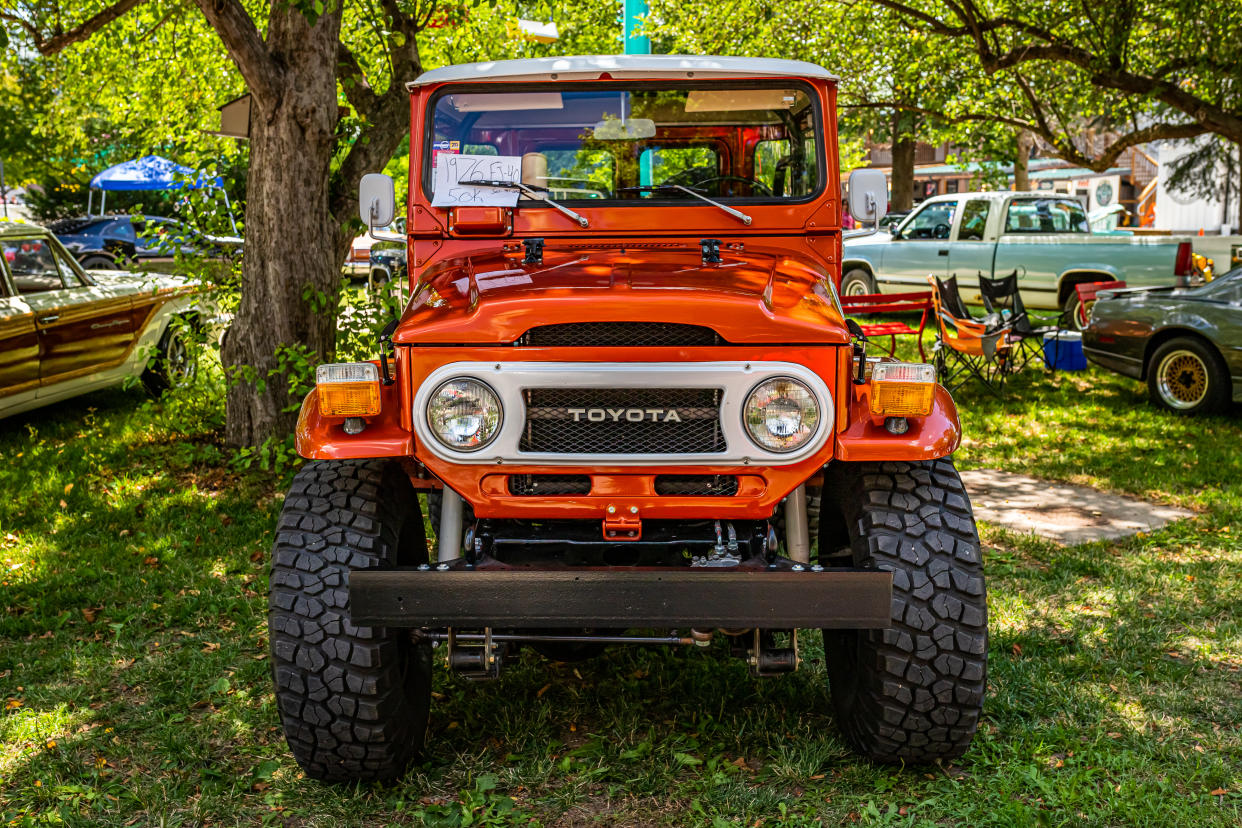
807	436
488	394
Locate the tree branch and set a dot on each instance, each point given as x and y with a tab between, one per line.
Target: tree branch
58	41
1064	150
246	47
358	92
1105	70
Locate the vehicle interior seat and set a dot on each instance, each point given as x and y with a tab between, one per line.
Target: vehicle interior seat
535	169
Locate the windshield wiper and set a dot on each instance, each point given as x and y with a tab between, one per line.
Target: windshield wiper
536	192
677	188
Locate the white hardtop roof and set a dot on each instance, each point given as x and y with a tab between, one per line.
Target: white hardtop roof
589	67
998	195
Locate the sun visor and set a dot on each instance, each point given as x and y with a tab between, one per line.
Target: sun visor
506	101
740	100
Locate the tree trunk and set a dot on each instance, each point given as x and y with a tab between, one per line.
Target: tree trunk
903	161
286	322
1021	164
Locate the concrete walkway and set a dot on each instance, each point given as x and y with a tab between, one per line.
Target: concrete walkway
1058	511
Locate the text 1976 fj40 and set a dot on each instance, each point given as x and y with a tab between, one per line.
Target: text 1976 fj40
626	388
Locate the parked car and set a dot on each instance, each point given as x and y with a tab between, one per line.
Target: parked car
1186	343
1046	238
358	260
387	265
65	331
106	242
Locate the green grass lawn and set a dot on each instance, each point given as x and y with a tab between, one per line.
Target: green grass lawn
134	672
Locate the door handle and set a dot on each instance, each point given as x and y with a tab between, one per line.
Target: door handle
47	320
942	252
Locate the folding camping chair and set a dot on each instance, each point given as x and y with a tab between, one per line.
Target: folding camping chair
1002	299
967	348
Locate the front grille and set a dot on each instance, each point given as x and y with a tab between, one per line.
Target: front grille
620	335
607	421
696	485
548	485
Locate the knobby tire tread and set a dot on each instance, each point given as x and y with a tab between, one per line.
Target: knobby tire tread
913	692
353	700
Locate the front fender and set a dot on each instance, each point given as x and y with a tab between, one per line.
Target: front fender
324	438
864	439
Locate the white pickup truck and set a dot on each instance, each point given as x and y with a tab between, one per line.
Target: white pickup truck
1045	237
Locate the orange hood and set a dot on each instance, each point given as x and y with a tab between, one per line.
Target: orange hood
761	295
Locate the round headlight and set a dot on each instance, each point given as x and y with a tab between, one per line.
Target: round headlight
781	414
464	414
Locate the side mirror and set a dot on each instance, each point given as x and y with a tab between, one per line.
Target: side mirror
895	232
868	195
377	201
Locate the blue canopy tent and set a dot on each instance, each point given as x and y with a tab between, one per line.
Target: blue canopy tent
152	172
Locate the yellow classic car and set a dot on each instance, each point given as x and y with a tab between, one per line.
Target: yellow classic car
65	332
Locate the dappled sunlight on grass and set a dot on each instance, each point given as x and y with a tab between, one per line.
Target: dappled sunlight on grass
134	626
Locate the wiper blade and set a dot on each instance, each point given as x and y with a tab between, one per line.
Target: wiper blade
536	192
677	188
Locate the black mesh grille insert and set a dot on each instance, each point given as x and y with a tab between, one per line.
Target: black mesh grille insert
620	335
623	421
696	485
549	485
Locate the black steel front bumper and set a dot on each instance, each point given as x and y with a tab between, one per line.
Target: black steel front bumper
621	598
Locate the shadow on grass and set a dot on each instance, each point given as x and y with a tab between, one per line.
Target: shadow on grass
135	643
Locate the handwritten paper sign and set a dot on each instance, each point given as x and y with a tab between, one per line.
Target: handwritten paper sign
453	169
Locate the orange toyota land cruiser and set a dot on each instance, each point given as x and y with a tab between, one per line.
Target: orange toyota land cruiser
624	398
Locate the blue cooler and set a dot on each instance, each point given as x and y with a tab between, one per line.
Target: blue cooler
1063	351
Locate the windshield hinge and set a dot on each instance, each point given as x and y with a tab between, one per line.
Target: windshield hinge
385	343
860	350
534	251
711	250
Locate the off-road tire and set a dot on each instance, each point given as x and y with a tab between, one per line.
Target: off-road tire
911	693
353	700
1205	387
858	282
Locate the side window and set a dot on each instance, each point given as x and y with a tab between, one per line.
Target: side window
1045	215
931	222
67	272
124	229
33	265
974	220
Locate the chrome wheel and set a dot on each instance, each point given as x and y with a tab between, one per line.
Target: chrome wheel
179	363
1182	379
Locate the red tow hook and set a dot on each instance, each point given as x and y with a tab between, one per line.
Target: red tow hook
623	524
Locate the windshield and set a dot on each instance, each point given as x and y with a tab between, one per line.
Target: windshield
614	143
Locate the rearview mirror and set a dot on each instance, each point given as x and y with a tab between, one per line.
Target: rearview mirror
868	195
377	201
612	129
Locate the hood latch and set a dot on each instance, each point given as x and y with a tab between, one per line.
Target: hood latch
711	250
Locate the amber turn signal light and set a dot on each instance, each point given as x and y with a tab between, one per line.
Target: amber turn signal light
902	389
348	389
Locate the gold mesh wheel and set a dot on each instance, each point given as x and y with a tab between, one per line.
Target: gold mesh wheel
1183	379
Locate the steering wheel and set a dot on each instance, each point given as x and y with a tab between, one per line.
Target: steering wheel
686	179
940	231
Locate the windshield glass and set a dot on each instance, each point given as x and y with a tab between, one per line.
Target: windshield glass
758	143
